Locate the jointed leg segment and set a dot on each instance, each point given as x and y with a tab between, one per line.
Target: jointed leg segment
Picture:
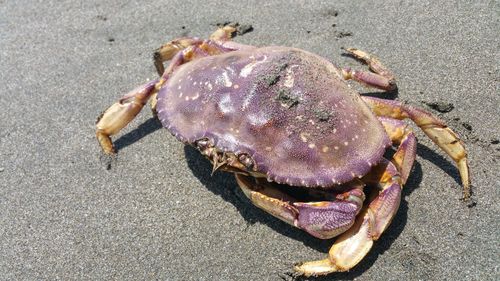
402	135
434	128
380	78
179	51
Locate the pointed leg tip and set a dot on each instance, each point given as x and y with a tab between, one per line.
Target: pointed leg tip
108	160
467	197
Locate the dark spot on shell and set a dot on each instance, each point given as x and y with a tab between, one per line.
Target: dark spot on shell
272	79
322	115
284	97
495	141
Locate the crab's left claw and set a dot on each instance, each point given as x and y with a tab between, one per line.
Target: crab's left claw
117	116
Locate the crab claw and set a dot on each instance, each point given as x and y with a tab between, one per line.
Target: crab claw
120	114
326	219
353	245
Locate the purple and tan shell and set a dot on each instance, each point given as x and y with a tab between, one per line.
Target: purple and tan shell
287	108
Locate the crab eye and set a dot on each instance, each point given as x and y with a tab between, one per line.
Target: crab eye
246	160
203	144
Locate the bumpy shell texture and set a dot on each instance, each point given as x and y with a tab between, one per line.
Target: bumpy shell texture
287	108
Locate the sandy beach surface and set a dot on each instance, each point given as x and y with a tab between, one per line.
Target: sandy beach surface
157	214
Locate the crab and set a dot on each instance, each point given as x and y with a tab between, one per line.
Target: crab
302	144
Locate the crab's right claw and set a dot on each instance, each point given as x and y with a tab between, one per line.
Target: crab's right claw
117	116
352	246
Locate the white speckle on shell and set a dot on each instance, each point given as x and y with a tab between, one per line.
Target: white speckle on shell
195	96
245	71
227	81
303	136
225	104
289	80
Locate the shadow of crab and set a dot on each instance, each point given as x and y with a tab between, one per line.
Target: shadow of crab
224	185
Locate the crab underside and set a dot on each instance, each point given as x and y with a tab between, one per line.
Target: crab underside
302	144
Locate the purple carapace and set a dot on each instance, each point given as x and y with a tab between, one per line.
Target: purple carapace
286	108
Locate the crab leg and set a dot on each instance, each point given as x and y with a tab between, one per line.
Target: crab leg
168	50
401	134
120	114
380	78
117	116
209	47
323	219
434	128
352	246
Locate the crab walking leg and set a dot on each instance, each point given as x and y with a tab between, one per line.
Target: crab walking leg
401	134
434	128
380	78
192	48
120	114
169	50
224	33
353	245
117	116
324	219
